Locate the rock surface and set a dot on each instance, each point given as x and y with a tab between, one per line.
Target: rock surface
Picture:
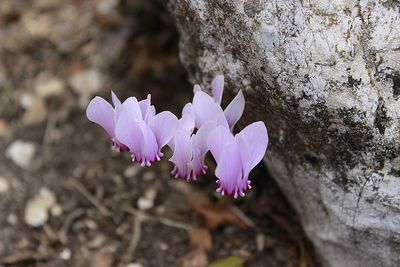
325	77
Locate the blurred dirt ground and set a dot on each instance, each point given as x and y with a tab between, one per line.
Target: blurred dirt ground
65	198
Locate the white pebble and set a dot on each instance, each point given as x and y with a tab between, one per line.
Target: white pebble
133	265
87	83
148	176
65	254
4	185
56	210
12	219
51	87
35	213
147	201
21	153
37	208
131	171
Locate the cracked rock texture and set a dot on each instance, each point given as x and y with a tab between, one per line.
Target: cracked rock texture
325	77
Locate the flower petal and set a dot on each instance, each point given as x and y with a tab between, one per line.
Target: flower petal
200	148
150	147
148	111
182	154
115	99
101	112
129	133
132	105
217	139
253	141
235	109
200	138
196	88
186	122
117	105
217	88
229	169
205	108
164	126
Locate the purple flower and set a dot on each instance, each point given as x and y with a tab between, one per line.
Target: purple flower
142	131
236	156
102	113
189	151
204	126
205	113
134	126
208	108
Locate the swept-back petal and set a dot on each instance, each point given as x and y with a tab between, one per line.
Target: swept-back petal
253	141
101	112
196	88
128	132
148	111
132	106
205	108
235	109
115	99
229	169
197	165
186	122
117	105
217	88
217	139
182	154
199	139
150	147
164	126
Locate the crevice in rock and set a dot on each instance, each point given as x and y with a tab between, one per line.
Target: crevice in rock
381	118
396	86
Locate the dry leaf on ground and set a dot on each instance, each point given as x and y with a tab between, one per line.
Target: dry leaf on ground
201	238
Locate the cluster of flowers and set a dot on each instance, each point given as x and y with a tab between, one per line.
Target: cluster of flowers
204	126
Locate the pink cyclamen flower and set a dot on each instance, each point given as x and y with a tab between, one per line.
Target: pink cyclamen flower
143	131
189	152
237	155
104	114
133	125
205	113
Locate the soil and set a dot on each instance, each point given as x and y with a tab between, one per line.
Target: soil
132	47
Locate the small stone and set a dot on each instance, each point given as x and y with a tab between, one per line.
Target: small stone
4	128
131	171
86	83
52	87
260	242
12	219
91	224
4	185
65	254
21	153
147	201
47	197
37	26
163	246
56	210
106	6
35	109
133	265
148	176
96	242
36	209
35	213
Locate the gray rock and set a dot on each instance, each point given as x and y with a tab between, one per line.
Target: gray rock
325	77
